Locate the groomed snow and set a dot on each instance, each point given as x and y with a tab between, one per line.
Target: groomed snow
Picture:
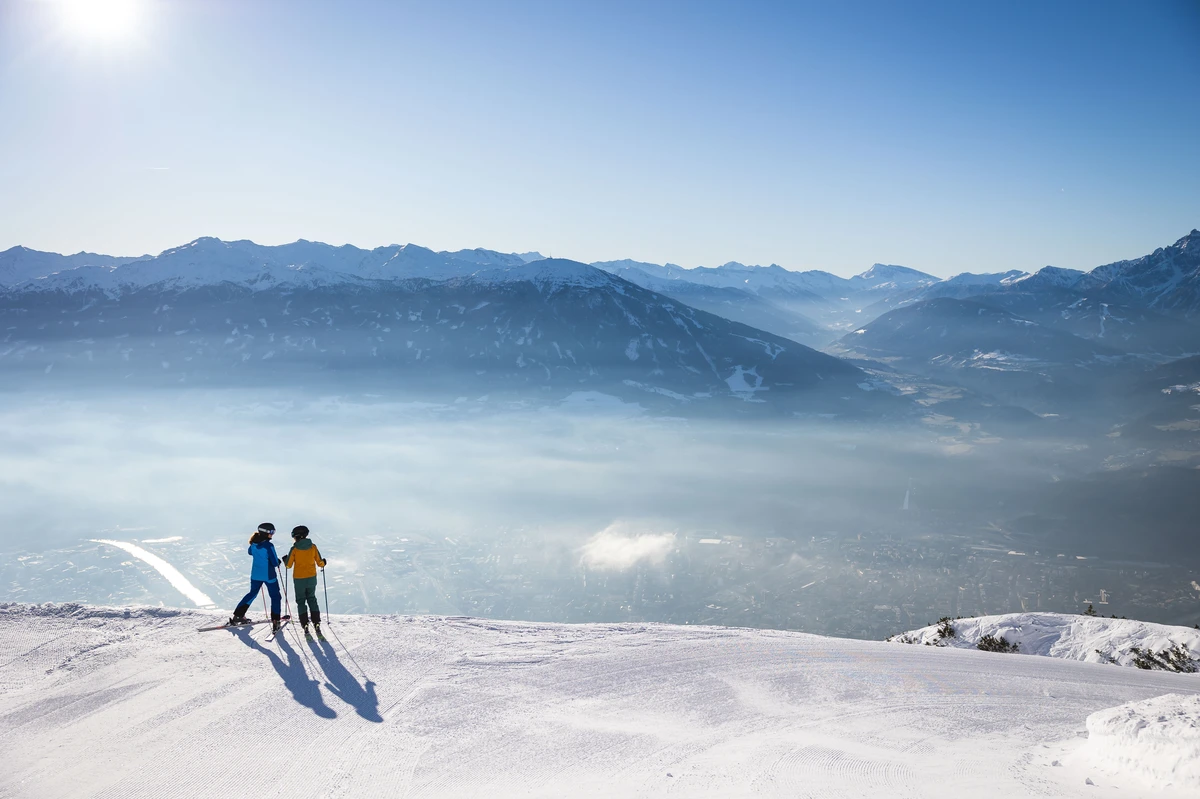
1093	639
104	702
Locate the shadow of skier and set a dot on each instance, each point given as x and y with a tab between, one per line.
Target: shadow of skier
305	689
344	685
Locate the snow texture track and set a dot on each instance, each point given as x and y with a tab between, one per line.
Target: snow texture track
102	702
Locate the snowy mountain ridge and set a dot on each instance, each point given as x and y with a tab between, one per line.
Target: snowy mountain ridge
1167	278
211	261
1091	639
19	264
775	278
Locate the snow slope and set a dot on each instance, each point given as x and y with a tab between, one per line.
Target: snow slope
107	702
1092	639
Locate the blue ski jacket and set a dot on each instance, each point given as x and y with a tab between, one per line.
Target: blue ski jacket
265	561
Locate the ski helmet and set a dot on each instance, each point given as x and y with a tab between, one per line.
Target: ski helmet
266	527
300	532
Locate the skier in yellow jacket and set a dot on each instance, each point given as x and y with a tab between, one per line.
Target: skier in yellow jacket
304	558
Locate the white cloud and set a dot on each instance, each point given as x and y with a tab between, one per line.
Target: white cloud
614	549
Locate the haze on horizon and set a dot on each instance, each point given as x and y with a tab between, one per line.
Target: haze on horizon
810	136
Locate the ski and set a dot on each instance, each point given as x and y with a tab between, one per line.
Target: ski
283	622
246	623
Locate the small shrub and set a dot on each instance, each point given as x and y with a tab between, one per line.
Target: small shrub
996	643
945	628
1173	658
1091	611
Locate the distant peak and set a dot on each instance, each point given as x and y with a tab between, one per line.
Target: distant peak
195	244
880	270
1191	239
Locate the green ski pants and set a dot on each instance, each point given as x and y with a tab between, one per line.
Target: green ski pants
306	592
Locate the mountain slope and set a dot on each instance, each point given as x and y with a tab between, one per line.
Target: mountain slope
965	334
112	702
219	312
735	303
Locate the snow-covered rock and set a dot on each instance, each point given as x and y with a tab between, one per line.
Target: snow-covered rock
1155	742
1092	639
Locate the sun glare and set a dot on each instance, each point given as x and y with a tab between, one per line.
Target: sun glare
100	19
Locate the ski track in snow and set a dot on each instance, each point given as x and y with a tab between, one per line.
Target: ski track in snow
103	702
173	575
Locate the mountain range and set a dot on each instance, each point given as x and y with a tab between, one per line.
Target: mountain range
214	312
477	320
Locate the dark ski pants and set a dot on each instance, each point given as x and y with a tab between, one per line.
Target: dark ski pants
272	589
306	592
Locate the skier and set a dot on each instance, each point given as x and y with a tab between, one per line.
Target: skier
262	572
304	558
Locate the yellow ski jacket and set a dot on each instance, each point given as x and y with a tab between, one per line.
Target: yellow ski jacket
304	558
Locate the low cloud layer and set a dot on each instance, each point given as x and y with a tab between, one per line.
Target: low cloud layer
616	549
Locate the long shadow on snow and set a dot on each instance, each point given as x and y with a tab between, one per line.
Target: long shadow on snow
305	689
344	685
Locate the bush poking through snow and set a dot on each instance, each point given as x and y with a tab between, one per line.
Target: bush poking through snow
945	629
996	643
1173	658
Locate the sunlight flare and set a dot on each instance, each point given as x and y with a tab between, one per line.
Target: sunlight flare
105	20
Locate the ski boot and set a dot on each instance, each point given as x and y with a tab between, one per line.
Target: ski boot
304	626
276	625
239	616
316	620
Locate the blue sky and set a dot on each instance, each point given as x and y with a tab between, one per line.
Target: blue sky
945	136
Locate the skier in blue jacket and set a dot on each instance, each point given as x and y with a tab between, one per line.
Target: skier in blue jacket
262	572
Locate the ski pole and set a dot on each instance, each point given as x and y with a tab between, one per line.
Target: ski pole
287	603
325	587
